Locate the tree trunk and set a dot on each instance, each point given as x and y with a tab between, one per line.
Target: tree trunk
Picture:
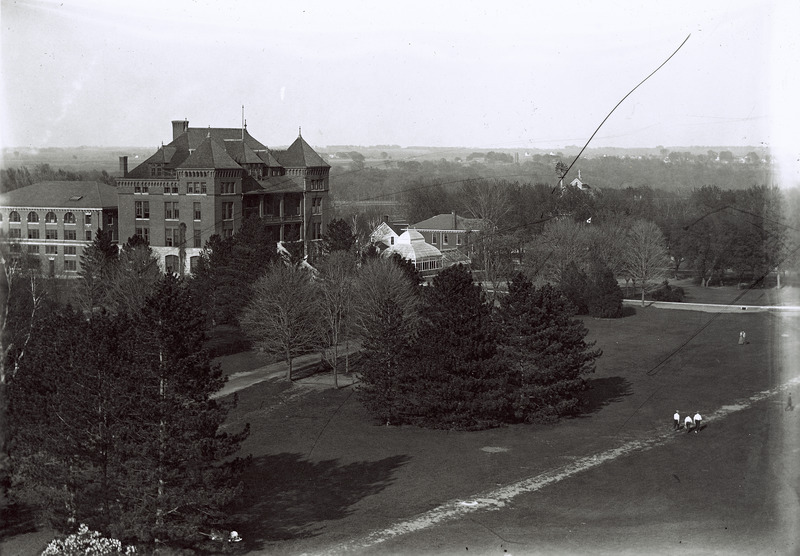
289	364
335	366
162	390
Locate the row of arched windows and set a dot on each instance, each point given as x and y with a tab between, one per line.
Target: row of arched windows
33	217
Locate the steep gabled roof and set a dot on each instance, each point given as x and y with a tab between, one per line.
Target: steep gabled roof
445	222
242	153
269	159
62	194
300	155
209	154
170	156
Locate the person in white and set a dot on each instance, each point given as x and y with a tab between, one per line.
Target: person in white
676	420
697	420
688	423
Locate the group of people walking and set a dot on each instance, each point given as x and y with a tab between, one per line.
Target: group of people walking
690	423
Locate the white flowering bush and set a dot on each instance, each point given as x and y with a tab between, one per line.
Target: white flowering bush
87	543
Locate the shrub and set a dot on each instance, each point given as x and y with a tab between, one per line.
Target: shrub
603	294
87	543
665	292
574	284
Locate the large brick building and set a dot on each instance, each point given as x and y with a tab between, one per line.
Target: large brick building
207	180
55	220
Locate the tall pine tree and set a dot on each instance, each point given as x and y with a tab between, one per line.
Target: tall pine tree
545	349
179	457
98	262
120	431
603	294
386	315
460	380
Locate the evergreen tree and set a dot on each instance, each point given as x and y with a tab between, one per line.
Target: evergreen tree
386	314
460	380
119	431
407	267
98	262
545	350
177	456
133	278
603	294
229	266
573	285
338	237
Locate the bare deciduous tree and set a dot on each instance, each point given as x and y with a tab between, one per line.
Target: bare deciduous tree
336	279
562	242
646	256
133	278
381	282
487	200
282	317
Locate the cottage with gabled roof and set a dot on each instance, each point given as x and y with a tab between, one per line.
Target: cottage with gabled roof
206	181
385	234
55	220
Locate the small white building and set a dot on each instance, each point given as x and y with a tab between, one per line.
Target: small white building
582	185
385	235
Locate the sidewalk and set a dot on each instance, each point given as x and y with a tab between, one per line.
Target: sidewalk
303	372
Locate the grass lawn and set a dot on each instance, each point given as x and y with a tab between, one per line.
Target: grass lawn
325	473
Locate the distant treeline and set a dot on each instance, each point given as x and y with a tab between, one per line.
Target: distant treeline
675	171
14	178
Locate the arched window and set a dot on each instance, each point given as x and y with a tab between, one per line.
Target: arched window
69	218
33	217
50	218
193	263
13	216
171	262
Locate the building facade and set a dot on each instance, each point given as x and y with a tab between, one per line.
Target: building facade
448	232
56	220
206	181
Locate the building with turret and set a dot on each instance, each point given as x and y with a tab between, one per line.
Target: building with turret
206	181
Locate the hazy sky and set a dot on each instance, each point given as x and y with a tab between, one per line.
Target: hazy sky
439	73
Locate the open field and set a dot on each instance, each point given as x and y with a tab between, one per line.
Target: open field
326	479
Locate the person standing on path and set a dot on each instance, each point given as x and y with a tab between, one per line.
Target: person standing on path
697	420
688	423
676	421
789	406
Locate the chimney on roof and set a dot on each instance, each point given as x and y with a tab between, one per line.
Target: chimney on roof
455	221
179	127
123	166
386	218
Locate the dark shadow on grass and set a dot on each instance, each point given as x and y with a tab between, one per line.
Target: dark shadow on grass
628	311
17	519
600	392
287	496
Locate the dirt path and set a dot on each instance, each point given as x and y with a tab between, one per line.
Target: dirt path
505	495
